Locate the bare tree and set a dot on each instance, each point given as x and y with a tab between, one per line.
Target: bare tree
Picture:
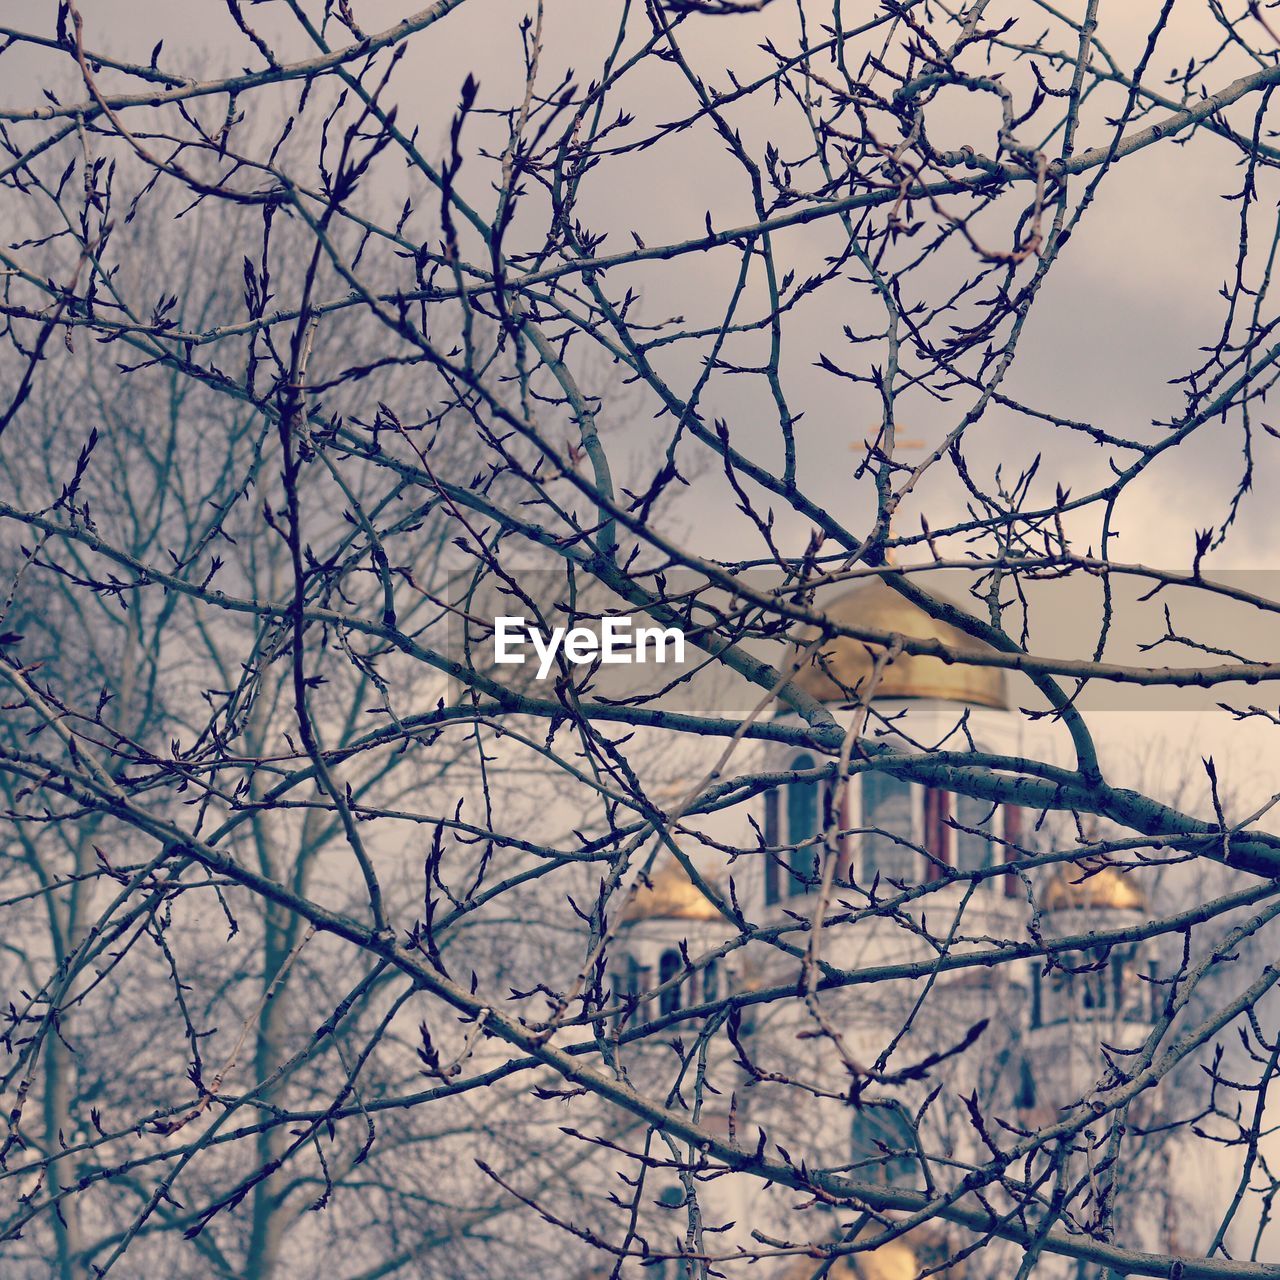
826	939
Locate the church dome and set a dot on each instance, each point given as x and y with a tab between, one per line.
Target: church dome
846	662
1073	888
670	895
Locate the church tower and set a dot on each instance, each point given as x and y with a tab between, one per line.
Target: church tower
913	862
667	922
894	832
918	869
1091	1002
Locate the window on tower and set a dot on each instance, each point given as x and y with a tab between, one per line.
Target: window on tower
669	964
1014	845
971	835
1025	1098
629	985
1099	985
711	982
887	813
804	819
884	1147
974	847
793	829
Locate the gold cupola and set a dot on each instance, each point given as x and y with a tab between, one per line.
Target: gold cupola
1077	889
669	895
846	662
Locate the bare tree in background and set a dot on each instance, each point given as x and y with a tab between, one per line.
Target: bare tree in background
320	931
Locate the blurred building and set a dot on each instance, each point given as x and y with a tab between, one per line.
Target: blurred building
835	1081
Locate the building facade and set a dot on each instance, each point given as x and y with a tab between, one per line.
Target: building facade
834	1077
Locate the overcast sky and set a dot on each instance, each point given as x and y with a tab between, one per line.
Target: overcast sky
1132	300
1125	310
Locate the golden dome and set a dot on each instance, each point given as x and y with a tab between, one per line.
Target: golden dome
670	895
1073	888
878	607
